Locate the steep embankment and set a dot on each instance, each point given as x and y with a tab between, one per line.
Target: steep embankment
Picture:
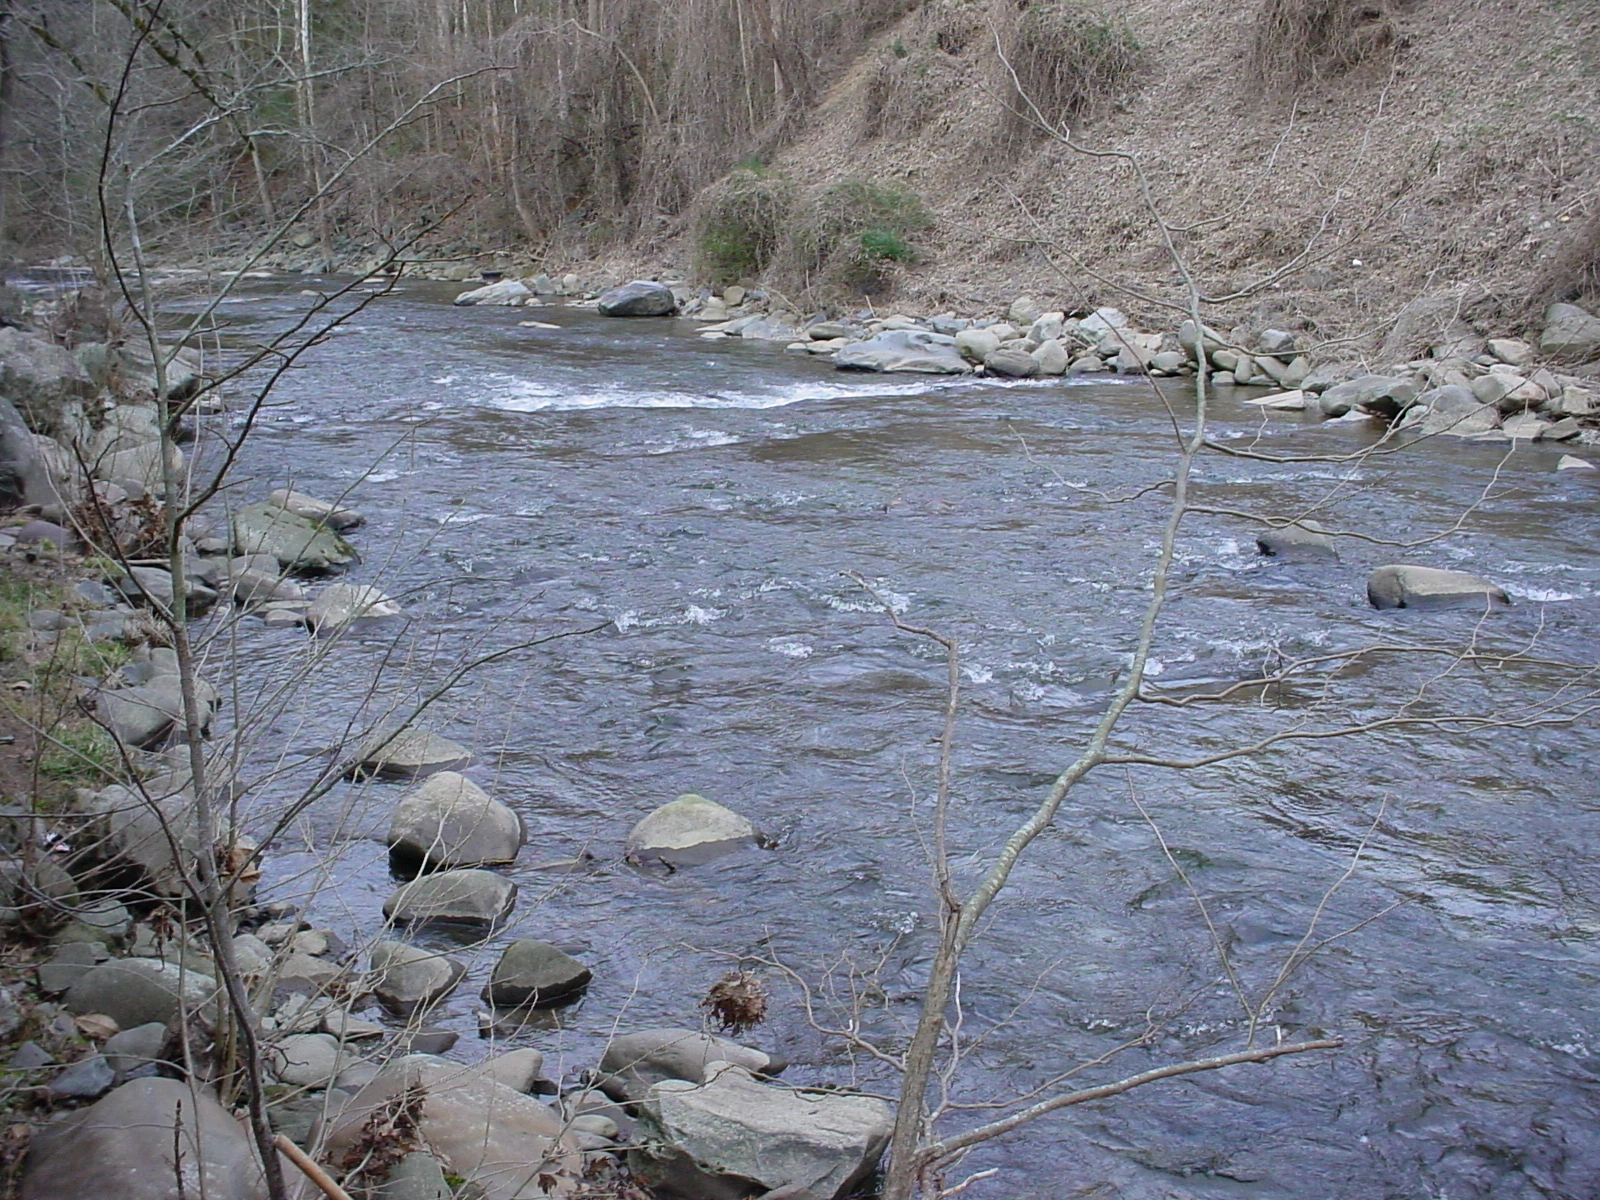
1320	160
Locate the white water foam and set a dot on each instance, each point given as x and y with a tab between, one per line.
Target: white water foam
513	394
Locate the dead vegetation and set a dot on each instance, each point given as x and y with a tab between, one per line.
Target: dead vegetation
1073	62
1572	275
1300	40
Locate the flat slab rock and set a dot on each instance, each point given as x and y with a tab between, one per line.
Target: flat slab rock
469	897
535	974
496	1139
296	542
910	350
633	1062
411	753
1405	586
704	1139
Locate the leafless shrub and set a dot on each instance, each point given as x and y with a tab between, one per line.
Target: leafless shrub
1300	40
914	74
741	222
1572	275
1073	61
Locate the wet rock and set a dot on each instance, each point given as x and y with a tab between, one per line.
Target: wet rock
535	974
108	1150
341	605
497	1140
135	1048
85	1079
1453	410
634	1062
407	978
641	298
1011	364
1570	334
258	579
1302	541
334	516
309	1060
687	832
139	991
297	543
469	897
1380	394
411	753
1404	586
904	350
449	821
507	291
733	1130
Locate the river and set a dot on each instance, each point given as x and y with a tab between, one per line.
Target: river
706	499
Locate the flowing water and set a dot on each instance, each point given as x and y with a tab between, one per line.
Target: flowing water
703	500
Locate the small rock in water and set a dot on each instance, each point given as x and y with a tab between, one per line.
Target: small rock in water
687	832
535	974
340	605
1571	462
406	978
449	821
470	897
334	516
1300	541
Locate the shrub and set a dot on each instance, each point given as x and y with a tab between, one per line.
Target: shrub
1300	40
1072	61
852	230
741	223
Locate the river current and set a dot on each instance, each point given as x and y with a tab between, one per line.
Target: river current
703	500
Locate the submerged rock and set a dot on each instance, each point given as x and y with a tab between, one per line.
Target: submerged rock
1403	586
641	298
904	350
411	753
706	1139
340	605
1300	541
298	543
449	821
687	832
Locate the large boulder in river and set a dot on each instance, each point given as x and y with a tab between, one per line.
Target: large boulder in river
634	1062
449	821
497	1140
687	832
150	1139
469	897
904	350
641	298
735	1136
1451	409
1570	333
506	291
296	542
1382	394
1300	542
535	974
1403	586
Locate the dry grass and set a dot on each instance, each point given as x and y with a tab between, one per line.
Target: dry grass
741	221
1573	274
1300	40
1073	62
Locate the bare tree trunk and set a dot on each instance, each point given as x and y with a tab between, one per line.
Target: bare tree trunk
7	100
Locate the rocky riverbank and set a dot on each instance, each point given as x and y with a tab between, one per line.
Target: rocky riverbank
1434	374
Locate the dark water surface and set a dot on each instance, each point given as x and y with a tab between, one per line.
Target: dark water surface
705	497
